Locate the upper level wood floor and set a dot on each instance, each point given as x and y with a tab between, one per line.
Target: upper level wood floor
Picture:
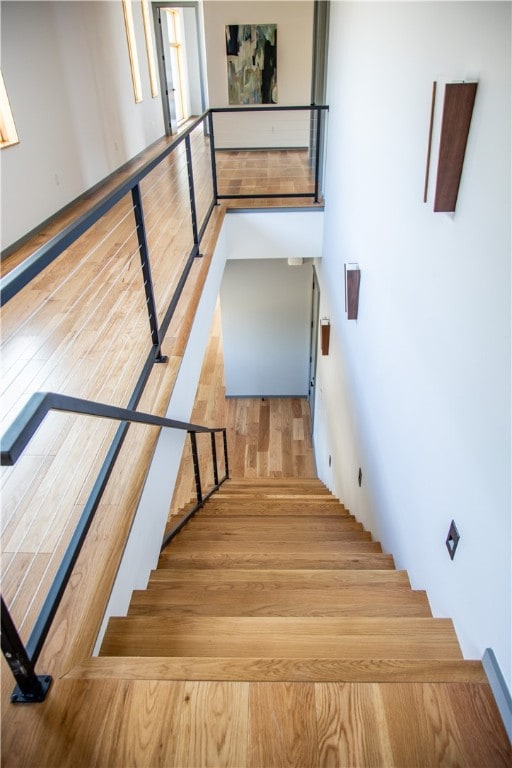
81	328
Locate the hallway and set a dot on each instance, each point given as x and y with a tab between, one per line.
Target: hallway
267	437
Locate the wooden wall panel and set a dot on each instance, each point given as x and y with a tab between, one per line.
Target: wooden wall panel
458	108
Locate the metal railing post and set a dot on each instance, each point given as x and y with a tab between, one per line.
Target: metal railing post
146	273
191	190
30	687
197	474
226	465
212	153
317	158
214	460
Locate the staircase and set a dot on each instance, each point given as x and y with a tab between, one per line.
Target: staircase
276	581
275	632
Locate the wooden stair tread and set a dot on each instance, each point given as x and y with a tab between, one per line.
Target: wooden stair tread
257	669
232	601
288	523
311	548
354	560
273	509
242	536
276	578
341	638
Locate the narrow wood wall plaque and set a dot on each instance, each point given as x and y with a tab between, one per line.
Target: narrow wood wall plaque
459	99
326	335
353	278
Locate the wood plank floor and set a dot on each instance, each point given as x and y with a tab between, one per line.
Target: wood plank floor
267	437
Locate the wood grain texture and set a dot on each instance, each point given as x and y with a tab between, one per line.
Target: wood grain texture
289	710
459	100
262	669
351	729
341	638
351	601
116	723
276	579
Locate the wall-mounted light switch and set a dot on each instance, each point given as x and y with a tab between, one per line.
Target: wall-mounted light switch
452	539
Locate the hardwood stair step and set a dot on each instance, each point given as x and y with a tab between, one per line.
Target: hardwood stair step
211	580
293	482
273	509
257	669
340	638
325	525
384	600
269	486
242	536
316	548
372	561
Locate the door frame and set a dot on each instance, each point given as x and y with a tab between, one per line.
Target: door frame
313	346
164	63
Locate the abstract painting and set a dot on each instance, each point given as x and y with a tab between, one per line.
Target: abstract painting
252	68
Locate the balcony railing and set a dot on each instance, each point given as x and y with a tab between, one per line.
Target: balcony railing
157	217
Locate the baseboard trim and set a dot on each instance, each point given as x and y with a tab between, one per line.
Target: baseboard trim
499	689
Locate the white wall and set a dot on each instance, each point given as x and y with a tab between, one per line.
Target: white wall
67	73
266	314
274	234
294	19
417	390
143	546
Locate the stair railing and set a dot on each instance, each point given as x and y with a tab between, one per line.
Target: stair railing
21	660
30	686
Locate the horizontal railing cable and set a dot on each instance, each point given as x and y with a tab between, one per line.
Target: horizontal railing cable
180	184
34	265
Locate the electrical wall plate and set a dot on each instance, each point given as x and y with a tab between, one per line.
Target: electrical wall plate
452	540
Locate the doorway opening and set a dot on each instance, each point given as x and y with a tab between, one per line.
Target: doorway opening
180	62
313	348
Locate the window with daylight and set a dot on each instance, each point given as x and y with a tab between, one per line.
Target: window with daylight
8	133
132	49
176	52
150	48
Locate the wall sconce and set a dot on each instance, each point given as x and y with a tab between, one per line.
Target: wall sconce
325	326
352	281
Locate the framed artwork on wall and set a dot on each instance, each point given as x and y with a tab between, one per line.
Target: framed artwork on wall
252	63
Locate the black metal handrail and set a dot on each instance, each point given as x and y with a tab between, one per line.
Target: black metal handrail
31	687
21	275
316	130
